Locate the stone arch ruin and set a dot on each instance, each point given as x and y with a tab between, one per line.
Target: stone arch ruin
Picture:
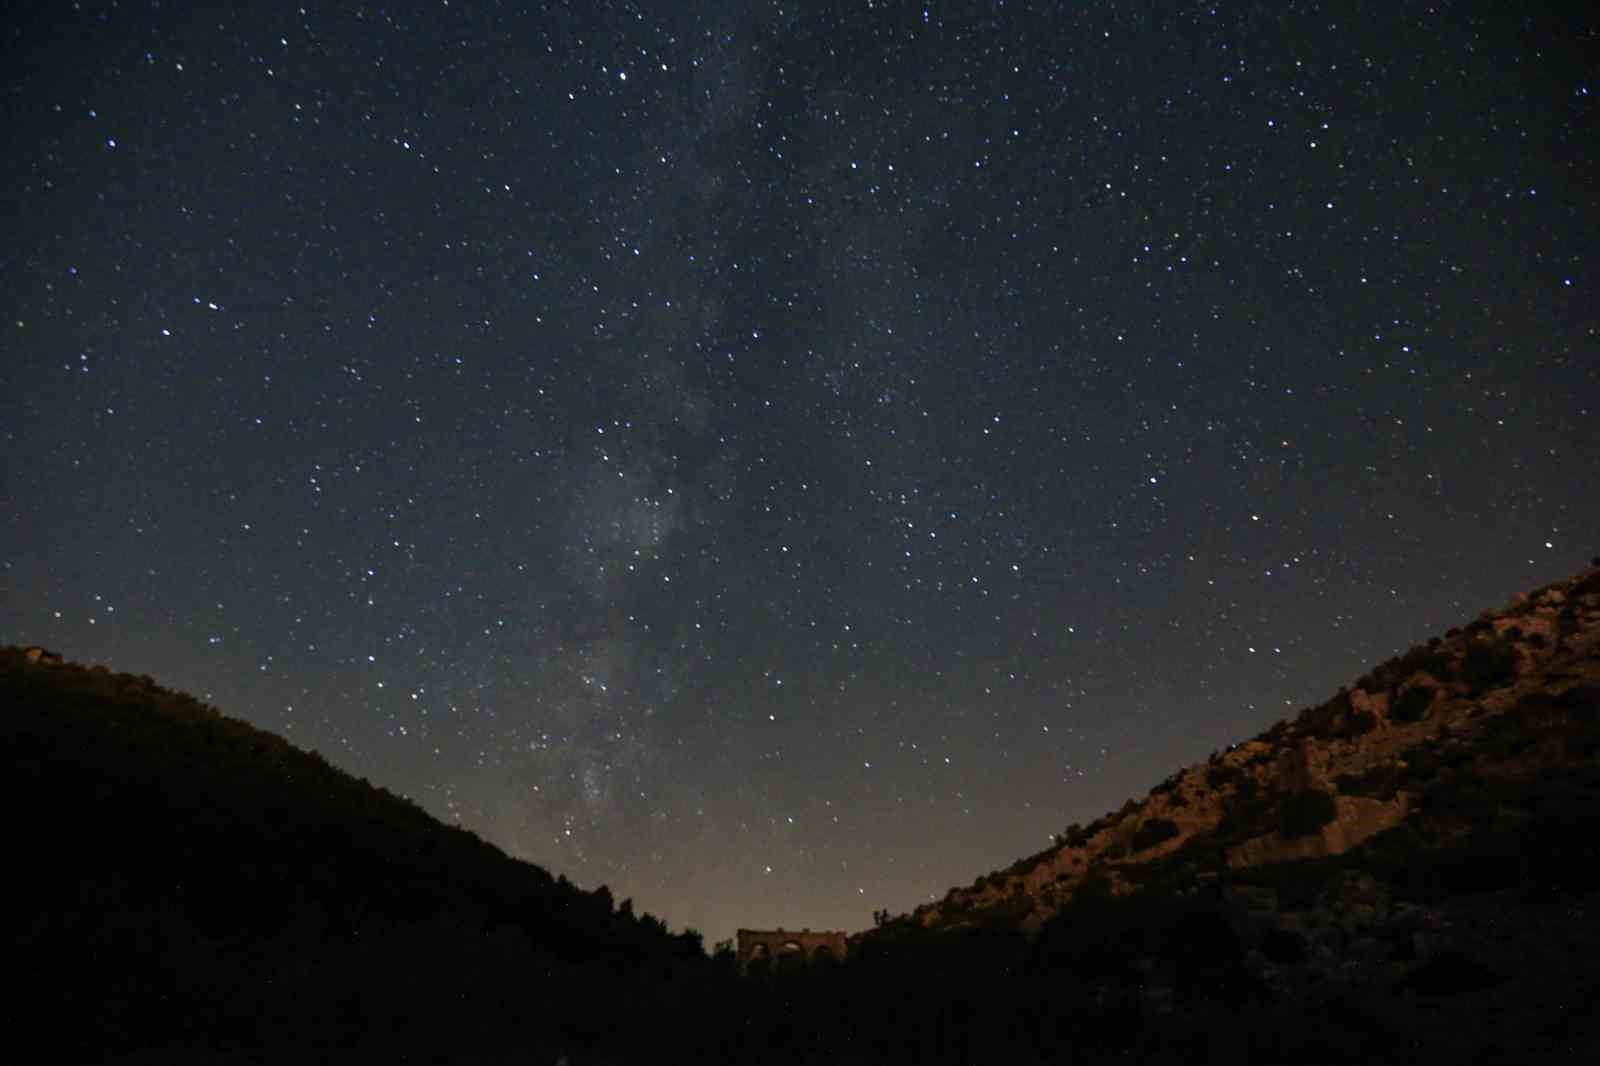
786	950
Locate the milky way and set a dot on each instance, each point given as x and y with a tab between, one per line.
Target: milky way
781	460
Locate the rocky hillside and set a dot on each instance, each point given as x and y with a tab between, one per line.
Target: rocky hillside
1403	873
1424	749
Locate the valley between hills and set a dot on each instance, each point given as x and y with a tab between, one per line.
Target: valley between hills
1402	873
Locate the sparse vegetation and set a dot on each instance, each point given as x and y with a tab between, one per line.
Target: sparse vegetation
1506	736
1305	812
1358	723
1489	664
1412	704
1219	775
1096	884
1427	658
1377	782
1279	734
1167	785
281	877
214	873
1322	721
1248	812
1427	760
1153	832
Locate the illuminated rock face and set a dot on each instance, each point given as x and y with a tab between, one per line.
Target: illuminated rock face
772	950
1357	820
1542	650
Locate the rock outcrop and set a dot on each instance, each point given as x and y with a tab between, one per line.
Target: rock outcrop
1358	819
1331	779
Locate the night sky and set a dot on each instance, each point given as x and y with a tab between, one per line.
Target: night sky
782	460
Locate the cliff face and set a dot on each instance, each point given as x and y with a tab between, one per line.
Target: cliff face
1495	703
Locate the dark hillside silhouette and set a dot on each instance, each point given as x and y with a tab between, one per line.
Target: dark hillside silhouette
1402	874
186	877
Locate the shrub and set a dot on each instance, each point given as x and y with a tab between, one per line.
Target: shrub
1506	736
1378	782
1320	721
1357	723
1167	785
1027	865
1412	704
1427	760
1248	812
1489	663
1096	884
1428	659
1152	833
1303	813
1284	947
1075	835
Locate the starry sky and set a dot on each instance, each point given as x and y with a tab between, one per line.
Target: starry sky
783	459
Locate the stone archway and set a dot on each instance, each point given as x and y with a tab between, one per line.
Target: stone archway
791	957
785	950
